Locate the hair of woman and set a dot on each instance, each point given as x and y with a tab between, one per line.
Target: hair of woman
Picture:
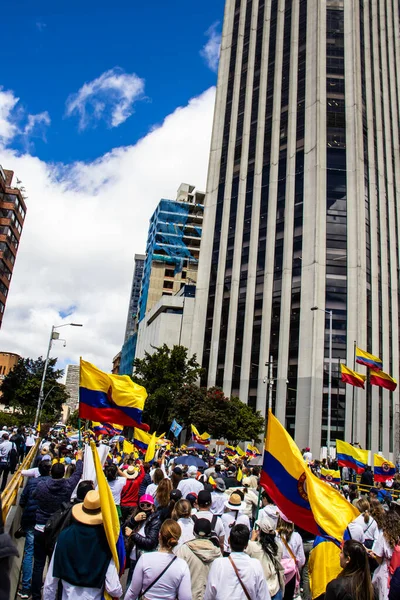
357	571
378	512
170	533
163	492
175	479
285	529
391	528
182	510
268	544
158	476
111	472
363	507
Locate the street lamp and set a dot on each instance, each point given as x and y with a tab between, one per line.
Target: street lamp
328	312
54	335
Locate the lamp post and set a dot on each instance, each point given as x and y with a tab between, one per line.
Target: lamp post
54	335
328	440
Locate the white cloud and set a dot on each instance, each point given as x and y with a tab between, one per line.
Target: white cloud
84	224
8	127
40	119
110	97
210	52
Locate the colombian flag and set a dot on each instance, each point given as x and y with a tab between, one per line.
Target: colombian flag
240	451
330	476
151	449
367	359
383	380
323	565
203	439
348	456
297	492
141	439
110	516
252	451
110	398
351	377
383	469
107	428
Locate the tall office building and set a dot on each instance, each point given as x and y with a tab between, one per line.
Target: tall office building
72	386
12	217
135	294
302	210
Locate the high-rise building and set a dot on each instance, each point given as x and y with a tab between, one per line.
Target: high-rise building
12	217
302	210
135	294
72	386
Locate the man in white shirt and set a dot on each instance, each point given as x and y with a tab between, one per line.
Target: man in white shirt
29	442
190	485
307	456
5	448
204	502
229	577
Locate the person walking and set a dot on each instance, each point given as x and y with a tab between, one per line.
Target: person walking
237	577
382	551
161	574
354	582
82	560
204	502
130	491
233	516
292	549
190	485
182	515
7	464
199	553
7	551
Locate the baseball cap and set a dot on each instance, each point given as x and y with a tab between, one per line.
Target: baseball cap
192	469
202	528
175	495
220	485
178	471
204	498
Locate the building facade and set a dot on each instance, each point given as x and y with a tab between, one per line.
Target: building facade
135	294
12	217
72	386
302	210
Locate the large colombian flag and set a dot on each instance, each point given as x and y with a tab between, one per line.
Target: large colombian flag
110	398
383	380
349	456
367	359
352	377
297	492
383	469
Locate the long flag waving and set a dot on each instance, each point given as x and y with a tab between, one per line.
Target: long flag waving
110	516
349	456
110	398
203	439
305	499
352	377
383	469
383	380
367	359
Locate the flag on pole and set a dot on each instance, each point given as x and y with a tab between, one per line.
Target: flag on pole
252	451
203	439
110	398
383	380
367	359
349	456
383	469
175	428
110	515
330	475
151	449
141	439
240	451
297	492
352	377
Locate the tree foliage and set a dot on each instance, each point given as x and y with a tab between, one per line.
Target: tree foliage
73	419
20	389
164	374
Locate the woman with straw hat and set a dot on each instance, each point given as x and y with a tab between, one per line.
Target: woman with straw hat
82	559
233	515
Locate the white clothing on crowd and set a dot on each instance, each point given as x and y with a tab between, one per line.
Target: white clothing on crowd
307	456
370	529
356	531
255	550
380	577
34	472
251	500
223	584
30	441
190	486
296	545
186	525
152	489
116	487
71	592
5	448
345	474
175	583
271	511
229	519
219	526
218	503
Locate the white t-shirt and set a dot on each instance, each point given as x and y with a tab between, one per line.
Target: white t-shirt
296	545
230	519
187	534
190	486
5	448
30	440
175	583
218	503
223	584
371	531
151	489
116	487
207	514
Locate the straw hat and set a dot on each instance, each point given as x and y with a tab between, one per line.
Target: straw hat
131	472
235	502
89	511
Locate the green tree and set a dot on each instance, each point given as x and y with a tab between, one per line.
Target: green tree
164	374
20	389
73	419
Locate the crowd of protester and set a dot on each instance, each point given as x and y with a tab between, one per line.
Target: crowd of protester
203	532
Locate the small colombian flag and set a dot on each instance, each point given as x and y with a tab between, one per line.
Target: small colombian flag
351	377
367	359
383	469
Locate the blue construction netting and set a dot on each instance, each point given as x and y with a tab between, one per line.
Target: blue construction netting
128	355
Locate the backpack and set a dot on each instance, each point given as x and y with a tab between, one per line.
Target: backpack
54	526
213	537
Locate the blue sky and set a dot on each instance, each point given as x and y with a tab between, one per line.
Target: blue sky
51	48
105	107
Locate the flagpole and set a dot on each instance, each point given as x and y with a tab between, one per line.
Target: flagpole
353	406
79	420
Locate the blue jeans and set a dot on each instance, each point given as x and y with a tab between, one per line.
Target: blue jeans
27	563
278	596
39	555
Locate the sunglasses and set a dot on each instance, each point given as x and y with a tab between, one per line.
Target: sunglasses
145	505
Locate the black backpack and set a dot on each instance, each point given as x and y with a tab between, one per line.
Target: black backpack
55	525
213	537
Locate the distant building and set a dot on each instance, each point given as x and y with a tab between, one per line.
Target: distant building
135	294
72	386
8	360
12	217
116	364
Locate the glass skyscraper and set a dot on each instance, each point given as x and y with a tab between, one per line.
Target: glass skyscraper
303	210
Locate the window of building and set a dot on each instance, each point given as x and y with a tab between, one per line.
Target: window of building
169	273
184	275
168	285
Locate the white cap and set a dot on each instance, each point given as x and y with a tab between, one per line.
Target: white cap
69	447
192	470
